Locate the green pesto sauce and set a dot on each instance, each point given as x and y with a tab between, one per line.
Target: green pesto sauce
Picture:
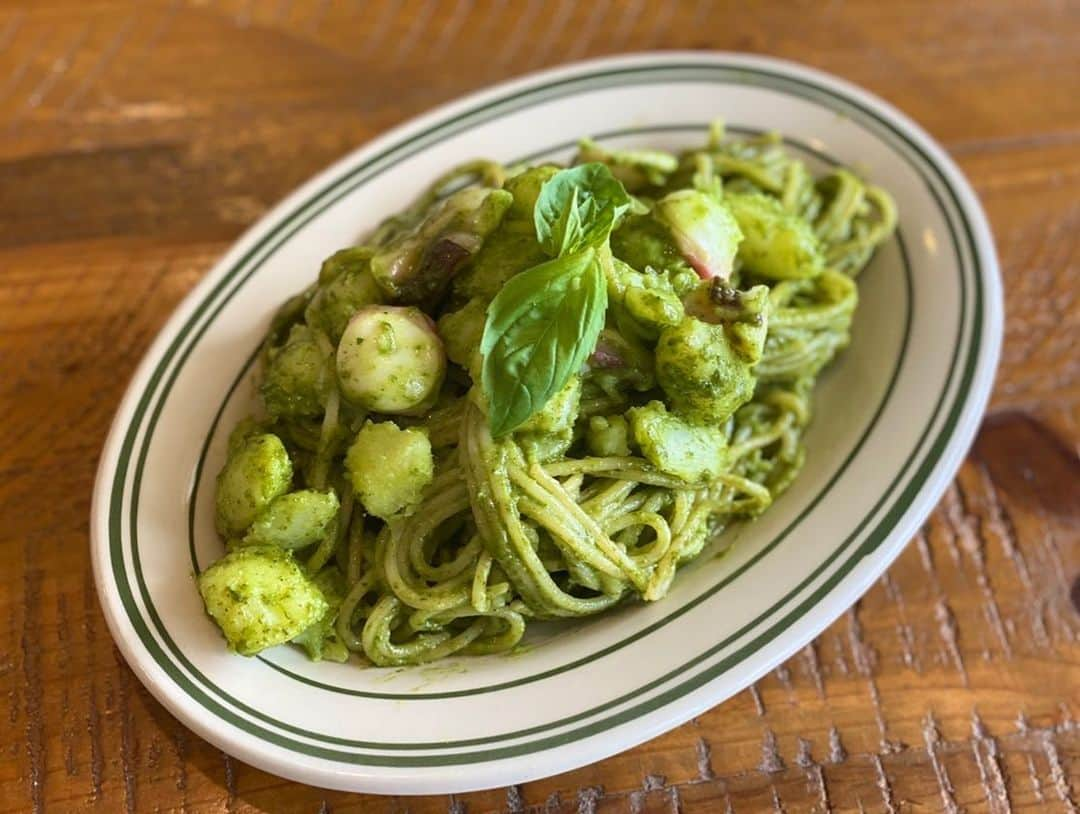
644	242
532	395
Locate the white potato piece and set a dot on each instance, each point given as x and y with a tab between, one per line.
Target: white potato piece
391	360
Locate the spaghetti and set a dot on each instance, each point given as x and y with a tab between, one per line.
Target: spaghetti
597	498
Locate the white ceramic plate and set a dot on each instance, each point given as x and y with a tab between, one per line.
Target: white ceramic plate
894	416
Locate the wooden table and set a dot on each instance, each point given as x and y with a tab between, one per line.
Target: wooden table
137	139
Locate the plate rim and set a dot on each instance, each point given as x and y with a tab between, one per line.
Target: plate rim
985	347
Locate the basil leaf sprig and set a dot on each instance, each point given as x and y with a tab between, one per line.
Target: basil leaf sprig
578	207
544	322
540	329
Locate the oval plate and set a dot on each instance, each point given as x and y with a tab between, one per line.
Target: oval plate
893	418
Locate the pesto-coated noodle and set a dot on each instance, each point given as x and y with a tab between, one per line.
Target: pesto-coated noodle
535	394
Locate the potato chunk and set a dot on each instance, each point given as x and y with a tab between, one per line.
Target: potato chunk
257	470
391	360
294	520
389	467
260	597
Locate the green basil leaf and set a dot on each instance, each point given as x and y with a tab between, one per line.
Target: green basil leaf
578	207
540	328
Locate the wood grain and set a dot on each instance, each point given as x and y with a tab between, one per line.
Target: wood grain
137	139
